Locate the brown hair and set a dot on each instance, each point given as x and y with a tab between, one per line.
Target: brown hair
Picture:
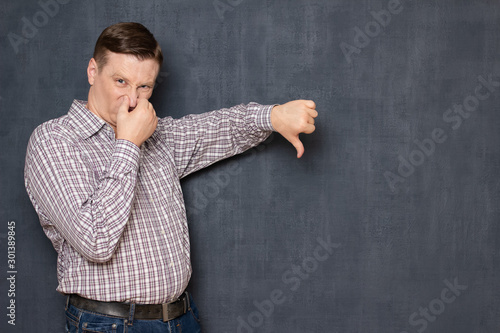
128	38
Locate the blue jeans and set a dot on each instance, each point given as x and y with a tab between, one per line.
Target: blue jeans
78	320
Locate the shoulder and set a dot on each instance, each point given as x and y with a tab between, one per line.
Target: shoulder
58	129
168	124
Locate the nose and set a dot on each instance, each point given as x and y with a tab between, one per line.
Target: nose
133	96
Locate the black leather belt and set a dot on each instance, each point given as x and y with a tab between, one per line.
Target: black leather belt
165	311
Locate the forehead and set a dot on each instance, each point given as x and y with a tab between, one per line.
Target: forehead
130	67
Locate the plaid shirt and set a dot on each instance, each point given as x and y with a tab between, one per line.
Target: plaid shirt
115	212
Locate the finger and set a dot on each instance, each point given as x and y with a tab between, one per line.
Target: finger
300	150
152	110
309	128
310	104
153	113
125	105
295	141
149	106
142	102
313	113
155	118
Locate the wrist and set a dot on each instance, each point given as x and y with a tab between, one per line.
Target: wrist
276	122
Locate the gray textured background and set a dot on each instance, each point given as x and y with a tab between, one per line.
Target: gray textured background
256	220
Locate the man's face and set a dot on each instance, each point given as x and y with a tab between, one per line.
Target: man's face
122	75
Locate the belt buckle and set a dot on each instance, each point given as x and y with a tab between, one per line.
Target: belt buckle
165	312
167	315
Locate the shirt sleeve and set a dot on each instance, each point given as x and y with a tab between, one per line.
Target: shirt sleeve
200	140
90	212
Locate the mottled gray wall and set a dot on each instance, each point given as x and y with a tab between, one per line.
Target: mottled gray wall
389	223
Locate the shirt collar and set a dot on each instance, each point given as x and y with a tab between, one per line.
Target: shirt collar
84	121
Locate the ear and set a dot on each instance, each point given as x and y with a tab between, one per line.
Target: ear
92	71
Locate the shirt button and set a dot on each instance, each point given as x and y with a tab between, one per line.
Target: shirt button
113	326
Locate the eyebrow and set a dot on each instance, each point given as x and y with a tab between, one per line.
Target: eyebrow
148	83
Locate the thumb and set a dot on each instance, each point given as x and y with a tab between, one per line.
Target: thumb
295	141
125	105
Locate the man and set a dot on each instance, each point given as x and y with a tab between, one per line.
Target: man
104	180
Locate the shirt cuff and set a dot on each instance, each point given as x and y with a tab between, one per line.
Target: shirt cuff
263	120
125	159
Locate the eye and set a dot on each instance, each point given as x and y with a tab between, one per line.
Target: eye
145	87
120	81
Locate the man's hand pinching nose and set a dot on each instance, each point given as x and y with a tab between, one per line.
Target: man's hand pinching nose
135	125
